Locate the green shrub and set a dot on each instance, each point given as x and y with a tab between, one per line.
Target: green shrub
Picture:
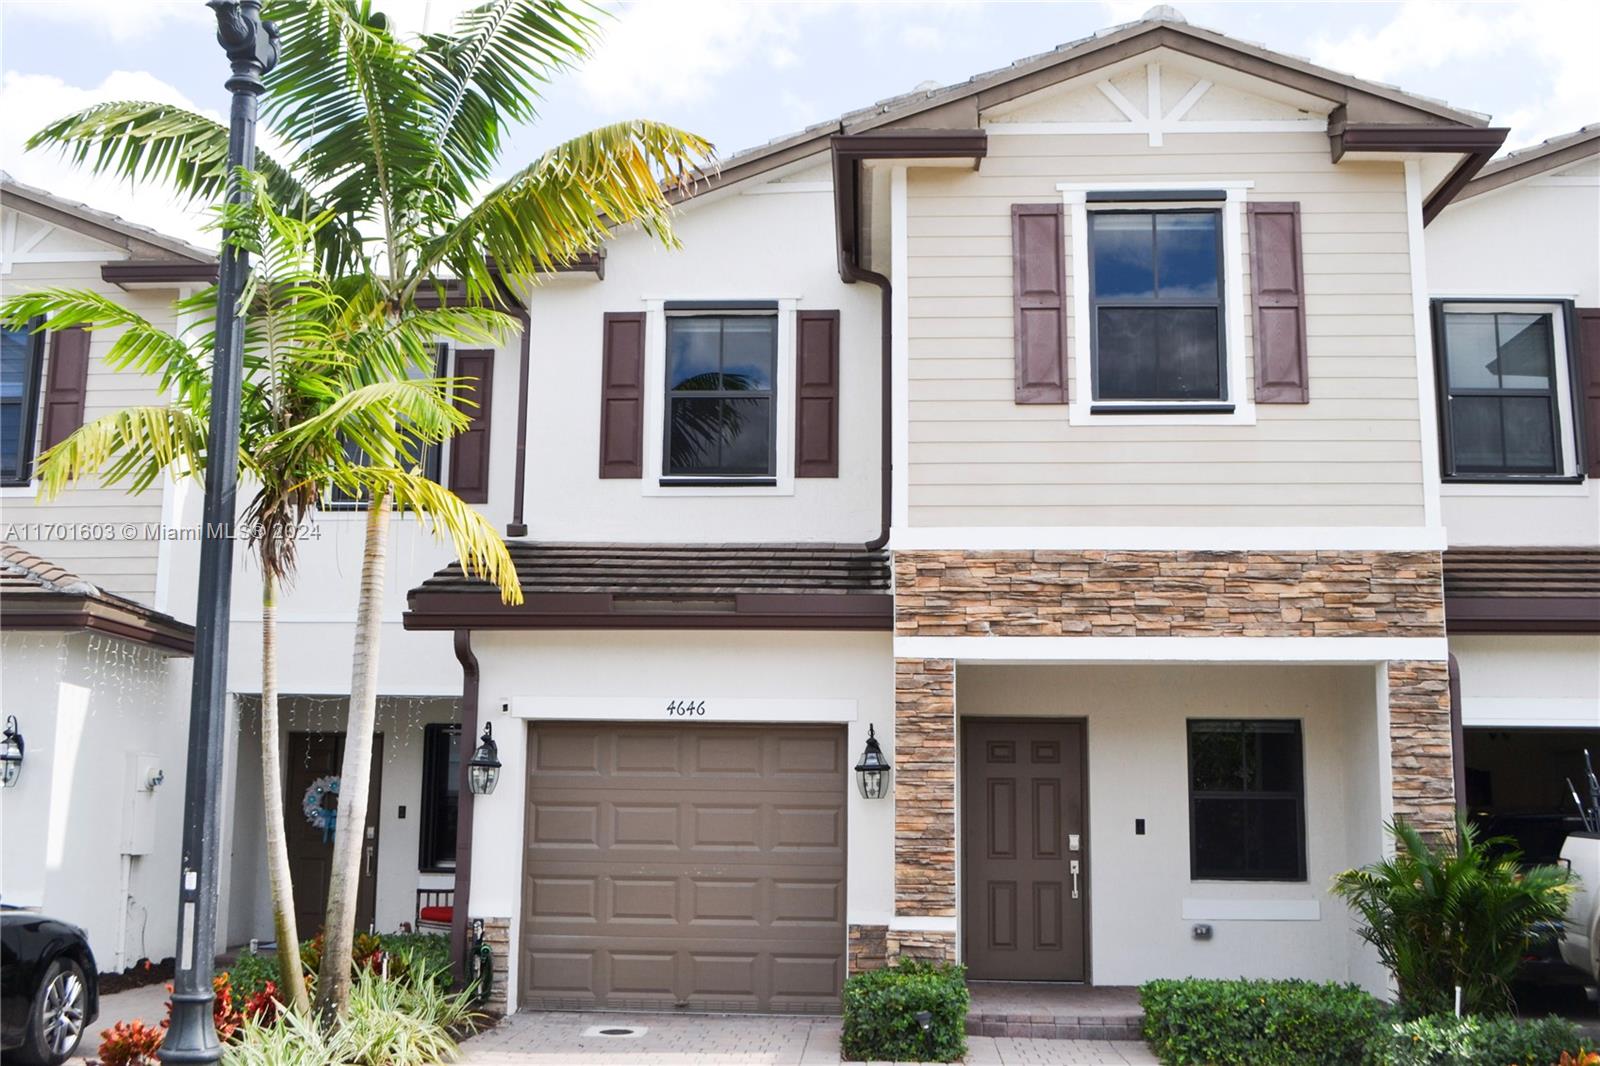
250	973
1445	1040
1461	913
1194	1022
881	1007
403	952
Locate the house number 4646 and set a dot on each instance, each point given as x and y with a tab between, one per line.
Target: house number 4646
685	708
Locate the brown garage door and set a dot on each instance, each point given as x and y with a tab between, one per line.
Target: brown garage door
690	865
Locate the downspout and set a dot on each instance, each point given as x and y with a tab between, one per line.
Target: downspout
517	527
462	898
851	271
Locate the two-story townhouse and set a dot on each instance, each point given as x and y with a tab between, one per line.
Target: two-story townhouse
1125	352
1514	278
93	649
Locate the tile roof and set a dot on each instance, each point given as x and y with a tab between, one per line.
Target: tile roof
22	571
1522	572
684	571
36	593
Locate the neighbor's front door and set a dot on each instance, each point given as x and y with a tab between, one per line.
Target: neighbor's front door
1022	813
312	773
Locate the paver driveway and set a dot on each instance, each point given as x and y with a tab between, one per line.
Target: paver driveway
704	1040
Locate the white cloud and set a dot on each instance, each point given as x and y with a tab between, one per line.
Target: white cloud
122	20
923	37
31	101
1543	52
673	51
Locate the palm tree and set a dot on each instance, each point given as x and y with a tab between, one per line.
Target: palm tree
325	363
397	138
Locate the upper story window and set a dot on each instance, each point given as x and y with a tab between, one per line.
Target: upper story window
21	353
1246	800
1506	389
720	418
1156	300
430	462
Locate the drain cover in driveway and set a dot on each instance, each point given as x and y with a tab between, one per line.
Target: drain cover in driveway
616	1030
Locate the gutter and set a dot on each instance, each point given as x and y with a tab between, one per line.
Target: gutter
849	151
1476	144
517	527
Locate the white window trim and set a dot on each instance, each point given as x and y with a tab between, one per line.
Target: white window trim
1241	394
655	401
1565	430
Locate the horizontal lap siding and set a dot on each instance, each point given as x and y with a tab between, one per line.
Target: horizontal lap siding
120	564
1349	457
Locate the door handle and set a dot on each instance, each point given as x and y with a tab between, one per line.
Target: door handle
371	849
1074	867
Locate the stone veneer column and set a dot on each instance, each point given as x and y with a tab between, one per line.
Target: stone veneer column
1420	745
925	806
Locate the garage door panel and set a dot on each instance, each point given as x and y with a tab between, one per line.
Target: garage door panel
686	865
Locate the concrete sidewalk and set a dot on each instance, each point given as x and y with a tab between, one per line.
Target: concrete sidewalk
714	1040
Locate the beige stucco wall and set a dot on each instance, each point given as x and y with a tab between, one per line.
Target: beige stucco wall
1351	457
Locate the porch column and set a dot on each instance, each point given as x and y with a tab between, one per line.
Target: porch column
924	921
1420	745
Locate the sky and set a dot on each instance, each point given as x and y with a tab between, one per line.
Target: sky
742	72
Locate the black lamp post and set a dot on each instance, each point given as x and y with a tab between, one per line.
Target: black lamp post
483	769
872	772
252	48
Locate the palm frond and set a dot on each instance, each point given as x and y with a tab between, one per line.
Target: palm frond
137	443
141	346
489	71
476	541
565	204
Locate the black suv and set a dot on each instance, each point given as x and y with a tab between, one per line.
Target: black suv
48	991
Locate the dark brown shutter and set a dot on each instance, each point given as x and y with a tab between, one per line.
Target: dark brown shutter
469	451
1038	269
66	386
1589	388
622	395
816	402
1277	281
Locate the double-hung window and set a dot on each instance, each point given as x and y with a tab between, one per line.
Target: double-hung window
1246	800
21	356
429	462
1506	390
1156	306
720	419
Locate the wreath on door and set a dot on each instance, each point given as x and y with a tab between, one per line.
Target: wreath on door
320	804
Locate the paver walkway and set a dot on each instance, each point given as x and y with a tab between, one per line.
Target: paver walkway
714	1040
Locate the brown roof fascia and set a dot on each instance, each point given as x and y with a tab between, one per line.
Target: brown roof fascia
67	613
1522	614
1531	162
601	610
157	272
1477	145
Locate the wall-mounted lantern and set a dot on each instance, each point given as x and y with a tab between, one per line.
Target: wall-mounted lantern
872	772
11	748
483	769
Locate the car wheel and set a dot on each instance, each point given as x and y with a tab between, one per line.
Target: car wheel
56	1020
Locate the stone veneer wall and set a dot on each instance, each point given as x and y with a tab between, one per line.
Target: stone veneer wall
1420	745
868	947
497	931
1180	593
925	788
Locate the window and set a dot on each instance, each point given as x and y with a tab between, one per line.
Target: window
1504	380
1246	800
1156	305
338	499
441	796
21	352
720	419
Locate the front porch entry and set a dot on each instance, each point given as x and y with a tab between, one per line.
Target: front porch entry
1024	850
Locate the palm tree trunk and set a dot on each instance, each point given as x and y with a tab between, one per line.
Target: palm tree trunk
291	976
344	886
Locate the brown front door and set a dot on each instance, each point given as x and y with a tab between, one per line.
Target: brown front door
1022	804
314	760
